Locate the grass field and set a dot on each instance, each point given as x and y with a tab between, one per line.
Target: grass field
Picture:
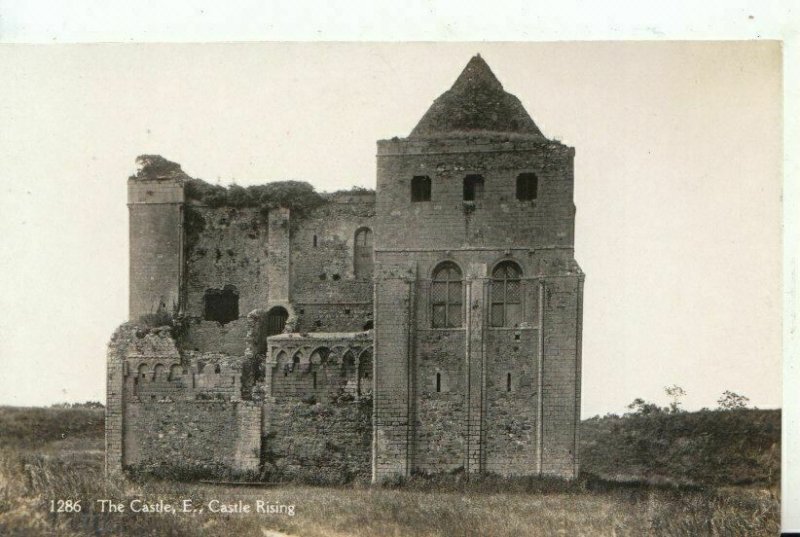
52	454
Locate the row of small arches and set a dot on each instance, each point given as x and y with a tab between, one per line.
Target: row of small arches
176	371
322	355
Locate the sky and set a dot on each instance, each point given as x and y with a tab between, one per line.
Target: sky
677	186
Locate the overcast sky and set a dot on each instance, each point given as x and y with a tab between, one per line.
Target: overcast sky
677	187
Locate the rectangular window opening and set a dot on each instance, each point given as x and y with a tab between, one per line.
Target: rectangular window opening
421	188
473	187
527	186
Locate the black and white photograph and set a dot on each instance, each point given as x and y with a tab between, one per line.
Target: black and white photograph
364	288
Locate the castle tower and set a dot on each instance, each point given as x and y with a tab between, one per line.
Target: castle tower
155	204
478	298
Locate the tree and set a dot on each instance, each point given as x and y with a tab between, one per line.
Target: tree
675	393
732	401
643	408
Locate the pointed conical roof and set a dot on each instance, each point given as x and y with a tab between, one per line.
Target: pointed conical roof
477	102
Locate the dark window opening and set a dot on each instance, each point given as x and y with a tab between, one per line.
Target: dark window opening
315	241
314	379
473	187
336	277
527	186
347	311
508	382
446	296
158	372
276	321
221	305
421	188
348	365
217	369
438	382
364	372
369	325
362	254
506	288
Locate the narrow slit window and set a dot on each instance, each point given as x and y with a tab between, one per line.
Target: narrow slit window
315	241
508	382
421	188
527	186
438	382
314	379
473	187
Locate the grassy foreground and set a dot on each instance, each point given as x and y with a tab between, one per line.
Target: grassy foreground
64	461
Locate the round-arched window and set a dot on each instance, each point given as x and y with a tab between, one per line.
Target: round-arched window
506	294
447	296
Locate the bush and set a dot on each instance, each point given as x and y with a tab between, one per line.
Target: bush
297	196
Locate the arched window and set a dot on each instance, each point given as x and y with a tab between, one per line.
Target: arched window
421	188
362	254
320	356
506	294
276	321
446	296
527	186
175	372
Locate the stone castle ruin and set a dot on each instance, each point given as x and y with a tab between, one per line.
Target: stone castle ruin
433	325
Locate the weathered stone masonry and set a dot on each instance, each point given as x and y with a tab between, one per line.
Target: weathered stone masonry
432	326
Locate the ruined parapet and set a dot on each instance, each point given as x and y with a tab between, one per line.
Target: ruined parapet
318	407
132	349
320	365
173	412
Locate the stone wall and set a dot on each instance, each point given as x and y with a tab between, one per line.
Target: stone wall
440	416
497	219
231	249
199	437
301	262
503	405
176	412
561	374
326	292
323	442
511	401
156	245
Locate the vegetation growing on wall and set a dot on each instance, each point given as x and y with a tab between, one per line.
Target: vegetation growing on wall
297	196
154	167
